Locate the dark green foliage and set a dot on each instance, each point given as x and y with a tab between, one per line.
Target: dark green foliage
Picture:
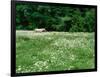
55	18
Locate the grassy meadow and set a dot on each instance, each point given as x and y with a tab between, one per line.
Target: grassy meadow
54	51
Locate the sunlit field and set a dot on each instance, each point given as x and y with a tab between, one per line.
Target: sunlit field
54	51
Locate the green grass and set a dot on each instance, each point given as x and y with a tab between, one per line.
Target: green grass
53	51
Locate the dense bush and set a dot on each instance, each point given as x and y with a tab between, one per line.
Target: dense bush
55	18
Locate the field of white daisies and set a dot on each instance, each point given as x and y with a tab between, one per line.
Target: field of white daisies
54	51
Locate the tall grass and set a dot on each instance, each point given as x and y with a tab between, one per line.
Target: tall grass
54	51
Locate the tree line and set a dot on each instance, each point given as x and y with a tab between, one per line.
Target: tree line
55	18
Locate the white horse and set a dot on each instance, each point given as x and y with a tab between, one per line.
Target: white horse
40	30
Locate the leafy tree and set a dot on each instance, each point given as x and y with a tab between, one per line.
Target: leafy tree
55	18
